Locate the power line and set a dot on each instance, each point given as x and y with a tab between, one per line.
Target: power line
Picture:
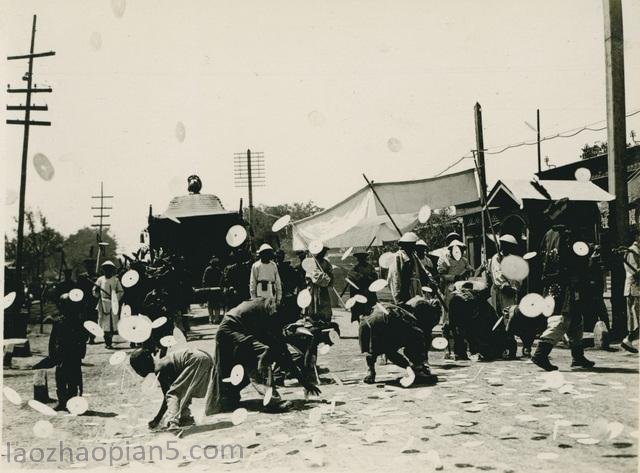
565	134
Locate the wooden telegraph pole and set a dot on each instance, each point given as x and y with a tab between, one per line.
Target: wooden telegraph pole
21	329
478	157
617	169
101	218
538	135
249	172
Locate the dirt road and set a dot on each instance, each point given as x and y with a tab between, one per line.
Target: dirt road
502	416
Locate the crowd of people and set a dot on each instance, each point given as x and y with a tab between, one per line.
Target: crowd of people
273	316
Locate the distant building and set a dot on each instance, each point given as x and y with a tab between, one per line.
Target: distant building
599	176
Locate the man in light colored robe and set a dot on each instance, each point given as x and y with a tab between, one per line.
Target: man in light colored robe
109	291
264	280
504	291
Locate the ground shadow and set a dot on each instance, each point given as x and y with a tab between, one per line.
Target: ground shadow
448	366
611	369
294	405
423	382
99	414
198	429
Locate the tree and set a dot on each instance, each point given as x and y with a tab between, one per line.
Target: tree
41	249
265	215
593	150
598	148
83	244
434	232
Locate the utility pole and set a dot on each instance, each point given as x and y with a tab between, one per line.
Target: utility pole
538	133
249	172
478	157
101	218
21	330
482	173
616	136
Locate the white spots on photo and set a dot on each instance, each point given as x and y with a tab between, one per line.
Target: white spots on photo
316	118
95	41
394	145
181	132
118	7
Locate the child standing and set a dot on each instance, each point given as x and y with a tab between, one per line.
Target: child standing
67	348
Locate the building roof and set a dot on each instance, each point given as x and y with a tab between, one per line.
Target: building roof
193	205
597	165
520	190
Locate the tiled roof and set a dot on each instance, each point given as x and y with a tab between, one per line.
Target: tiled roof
195	204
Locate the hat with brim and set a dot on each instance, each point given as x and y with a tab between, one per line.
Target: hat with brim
408	237
473	284
421	243
456	243
265	248
108	263
508	239
452	236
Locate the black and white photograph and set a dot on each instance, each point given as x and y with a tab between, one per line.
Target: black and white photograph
331	235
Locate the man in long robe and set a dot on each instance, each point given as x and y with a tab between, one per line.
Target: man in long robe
362	275
249	335
109	292
320	285
504	291
404	271
67	348
212	277
264	280
386	332
632	294
235	279
427	271
182	374
288	275
453	266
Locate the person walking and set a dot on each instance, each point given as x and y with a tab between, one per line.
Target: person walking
562	277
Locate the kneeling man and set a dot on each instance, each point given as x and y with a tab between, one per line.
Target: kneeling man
407	327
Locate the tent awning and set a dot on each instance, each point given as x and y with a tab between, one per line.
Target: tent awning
360	218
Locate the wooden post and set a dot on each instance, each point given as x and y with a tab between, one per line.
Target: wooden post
617	172
538	134
478	157
482	173
20	326
250	184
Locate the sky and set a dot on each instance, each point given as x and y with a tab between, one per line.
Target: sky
327	90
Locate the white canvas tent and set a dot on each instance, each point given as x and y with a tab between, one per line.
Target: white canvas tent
360	218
